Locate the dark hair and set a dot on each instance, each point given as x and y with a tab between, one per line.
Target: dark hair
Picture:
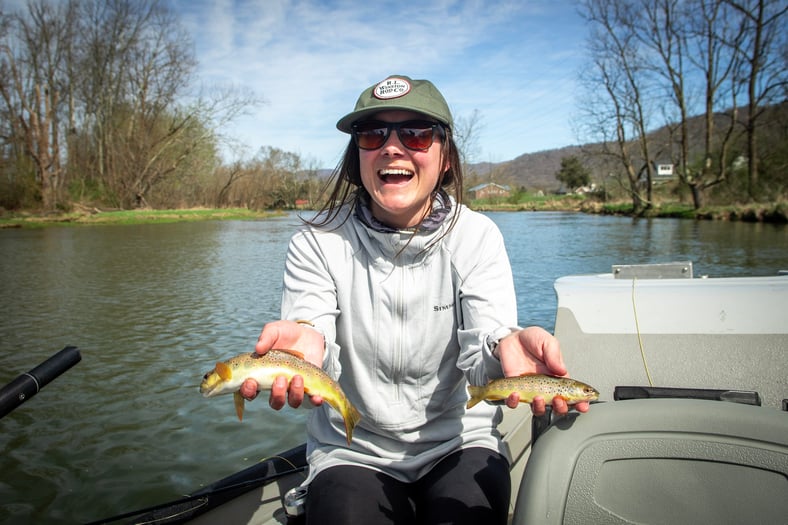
345	186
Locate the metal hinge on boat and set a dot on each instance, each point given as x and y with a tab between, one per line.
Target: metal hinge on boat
670	270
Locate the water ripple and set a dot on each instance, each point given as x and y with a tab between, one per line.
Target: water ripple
152	308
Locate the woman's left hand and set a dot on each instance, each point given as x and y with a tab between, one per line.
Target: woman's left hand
534	350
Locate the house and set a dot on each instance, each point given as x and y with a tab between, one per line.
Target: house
489	190
664	171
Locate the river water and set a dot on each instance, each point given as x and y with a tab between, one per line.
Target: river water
152	307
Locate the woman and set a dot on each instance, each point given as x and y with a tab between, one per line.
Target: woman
408	297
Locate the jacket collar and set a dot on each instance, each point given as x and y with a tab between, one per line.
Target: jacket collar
441	207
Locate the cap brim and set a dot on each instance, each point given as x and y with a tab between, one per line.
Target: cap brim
345	123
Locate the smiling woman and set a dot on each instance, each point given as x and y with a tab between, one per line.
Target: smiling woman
398	178
409	299
400	175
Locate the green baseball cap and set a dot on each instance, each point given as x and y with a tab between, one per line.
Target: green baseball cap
399	92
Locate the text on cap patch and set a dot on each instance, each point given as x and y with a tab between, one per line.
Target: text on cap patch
391	88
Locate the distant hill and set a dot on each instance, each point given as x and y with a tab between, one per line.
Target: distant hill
536	171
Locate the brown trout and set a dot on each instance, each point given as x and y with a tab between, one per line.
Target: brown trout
530	386
228	376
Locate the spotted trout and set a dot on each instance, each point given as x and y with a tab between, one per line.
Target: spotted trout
530	386
228	376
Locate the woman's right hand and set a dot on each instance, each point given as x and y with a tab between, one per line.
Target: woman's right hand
287	335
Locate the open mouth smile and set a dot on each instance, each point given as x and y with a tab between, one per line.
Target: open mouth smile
395	176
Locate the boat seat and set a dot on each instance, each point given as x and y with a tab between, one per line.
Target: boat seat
659	461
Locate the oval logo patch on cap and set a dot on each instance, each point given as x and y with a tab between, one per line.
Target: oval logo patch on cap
391	88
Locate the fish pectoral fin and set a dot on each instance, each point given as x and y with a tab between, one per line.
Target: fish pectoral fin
238	399
224	371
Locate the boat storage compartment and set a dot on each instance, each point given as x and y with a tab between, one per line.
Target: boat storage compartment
659	461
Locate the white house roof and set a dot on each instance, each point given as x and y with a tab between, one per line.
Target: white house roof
486	184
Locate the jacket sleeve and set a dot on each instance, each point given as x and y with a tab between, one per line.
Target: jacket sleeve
487	301
309	292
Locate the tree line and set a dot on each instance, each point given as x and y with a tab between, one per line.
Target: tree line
710	74
100	104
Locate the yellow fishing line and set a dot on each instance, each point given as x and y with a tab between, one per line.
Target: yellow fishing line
640	339
286	461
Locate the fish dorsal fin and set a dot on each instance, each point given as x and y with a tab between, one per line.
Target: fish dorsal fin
294	353
224	371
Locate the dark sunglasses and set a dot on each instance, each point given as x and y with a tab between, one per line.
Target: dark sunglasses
413	134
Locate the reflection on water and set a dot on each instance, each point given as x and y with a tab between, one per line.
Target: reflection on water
151	308
545	246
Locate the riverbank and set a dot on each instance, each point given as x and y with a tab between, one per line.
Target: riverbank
87	216
776	213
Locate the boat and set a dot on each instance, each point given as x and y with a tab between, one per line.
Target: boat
691	426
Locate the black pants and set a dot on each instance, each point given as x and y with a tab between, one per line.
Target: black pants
467	487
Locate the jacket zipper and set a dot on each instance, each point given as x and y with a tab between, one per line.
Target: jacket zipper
397	358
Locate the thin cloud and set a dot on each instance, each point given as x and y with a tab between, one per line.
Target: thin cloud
513	61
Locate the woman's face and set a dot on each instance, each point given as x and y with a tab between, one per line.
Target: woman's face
400	181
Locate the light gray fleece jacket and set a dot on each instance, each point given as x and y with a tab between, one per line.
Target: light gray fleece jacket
406	330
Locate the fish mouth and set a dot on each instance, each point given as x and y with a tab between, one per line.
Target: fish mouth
395	175
208	390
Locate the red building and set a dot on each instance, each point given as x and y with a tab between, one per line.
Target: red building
489	190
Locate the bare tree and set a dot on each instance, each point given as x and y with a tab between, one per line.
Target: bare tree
137	62
33	61
466	136
687	40
619	114
684	58
765	50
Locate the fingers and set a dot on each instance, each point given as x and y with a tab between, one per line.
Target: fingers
291	335
538	406
316	400
513	400
249	389
295	395
268	338
551	354
280	393
532	350
559	406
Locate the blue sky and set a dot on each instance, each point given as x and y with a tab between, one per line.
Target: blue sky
514	61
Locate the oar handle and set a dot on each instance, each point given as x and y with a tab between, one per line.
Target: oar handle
28	384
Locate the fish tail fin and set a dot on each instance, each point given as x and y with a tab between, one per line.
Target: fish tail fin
476	393
351	417
238	399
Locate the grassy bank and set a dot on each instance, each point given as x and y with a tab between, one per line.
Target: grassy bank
93	216
774	212
766	212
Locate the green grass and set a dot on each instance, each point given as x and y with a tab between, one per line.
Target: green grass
530	202
125	217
